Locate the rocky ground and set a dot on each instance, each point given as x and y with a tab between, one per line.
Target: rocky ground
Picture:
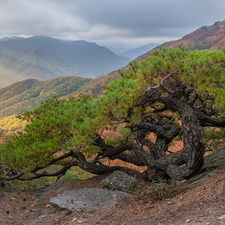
201	201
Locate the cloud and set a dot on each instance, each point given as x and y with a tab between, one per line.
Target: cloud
108	20
150	18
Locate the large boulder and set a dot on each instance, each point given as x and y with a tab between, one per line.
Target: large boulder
86	198
119	180
215	159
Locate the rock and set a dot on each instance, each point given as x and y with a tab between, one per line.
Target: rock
86	198
170	203
202	176
215	159
120	181
149	206
221	217
41	217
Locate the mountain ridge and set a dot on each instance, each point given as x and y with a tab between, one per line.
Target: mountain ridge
206	37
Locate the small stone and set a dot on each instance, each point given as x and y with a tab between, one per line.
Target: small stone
68	213
221	217
149	206
79	221
41	217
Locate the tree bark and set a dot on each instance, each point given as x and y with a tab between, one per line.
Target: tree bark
192	153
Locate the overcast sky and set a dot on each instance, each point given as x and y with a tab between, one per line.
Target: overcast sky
114	23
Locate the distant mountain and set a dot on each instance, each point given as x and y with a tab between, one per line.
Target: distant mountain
133	53
44	58
206	37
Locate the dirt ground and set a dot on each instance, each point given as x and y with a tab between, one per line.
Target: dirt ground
200	202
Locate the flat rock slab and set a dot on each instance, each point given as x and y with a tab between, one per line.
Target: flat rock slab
120	181
86	198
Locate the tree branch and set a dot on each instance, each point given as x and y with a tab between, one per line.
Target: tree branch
207	121
70	153
162	84
15	176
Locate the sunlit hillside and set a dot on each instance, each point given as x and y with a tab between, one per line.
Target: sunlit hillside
28	94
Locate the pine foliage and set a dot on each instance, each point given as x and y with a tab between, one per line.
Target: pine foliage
73	124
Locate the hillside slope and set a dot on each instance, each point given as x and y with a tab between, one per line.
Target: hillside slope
45	58
206	37
28	94
199	202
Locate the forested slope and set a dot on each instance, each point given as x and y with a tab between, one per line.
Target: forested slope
28	94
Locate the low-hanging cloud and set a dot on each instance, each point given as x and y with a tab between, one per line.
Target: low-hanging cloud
102	20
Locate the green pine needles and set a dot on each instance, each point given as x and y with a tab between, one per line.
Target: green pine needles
145	95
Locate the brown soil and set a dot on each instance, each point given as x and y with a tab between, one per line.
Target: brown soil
200	202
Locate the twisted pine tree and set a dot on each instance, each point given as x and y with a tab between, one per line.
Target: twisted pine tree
174	94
